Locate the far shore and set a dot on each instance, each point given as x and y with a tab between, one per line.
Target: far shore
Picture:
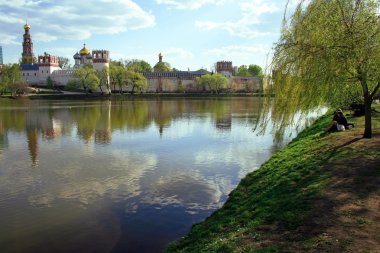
81	95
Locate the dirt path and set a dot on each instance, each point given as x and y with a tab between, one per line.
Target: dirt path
347	216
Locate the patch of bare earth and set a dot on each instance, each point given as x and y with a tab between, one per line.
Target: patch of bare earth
346	218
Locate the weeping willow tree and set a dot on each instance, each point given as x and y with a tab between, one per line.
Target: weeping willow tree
328	53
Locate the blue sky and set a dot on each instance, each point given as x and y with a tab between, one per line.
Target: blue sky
191	34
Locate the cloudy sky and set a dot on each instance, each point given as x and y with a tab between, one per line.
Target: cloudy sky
190	33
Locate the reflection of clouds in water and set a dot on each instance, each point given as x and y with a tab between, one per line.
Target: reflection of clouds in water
246	155
116	175
190	190
180	129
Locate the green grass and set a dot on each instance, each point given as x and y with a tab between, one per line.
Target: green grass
278	194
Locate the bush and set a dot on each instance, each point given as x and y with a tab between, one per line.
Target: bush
73	85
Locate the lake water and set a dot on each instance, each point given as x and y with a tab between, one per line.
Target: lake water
120	176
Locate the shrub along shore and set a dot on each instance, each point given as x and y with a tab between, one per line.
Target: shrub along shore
318	194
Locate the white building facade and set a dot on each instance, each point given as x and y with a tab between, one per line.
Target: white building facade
36	72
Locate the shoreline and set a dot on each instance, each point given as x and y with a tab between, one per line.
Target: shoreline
318	194
97	96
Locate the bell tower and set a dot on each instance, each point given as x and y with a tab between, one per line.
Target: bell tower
27	47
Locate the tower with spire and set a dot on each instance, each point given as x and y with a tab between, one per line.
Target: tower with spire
27	47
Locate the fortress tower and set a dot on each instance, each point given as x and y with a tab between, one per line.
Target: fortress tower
27	47
47	65
225	68
100	59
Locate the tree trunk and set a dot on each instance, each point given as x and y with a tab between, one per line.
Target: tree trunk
368	117
367	104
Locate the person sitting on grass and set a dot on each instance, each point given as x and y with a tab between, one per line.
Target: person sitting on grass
339	122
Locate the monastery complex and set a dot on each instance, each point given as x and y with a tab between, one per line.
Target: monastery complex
36	70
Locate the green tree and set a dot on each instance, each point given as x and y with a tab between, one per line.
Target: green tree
11	79
328	52
73	85
87	78
243	71
104	79
255	70
162	67
251	70
63	62
136	80
139	66
203	82
117	74
49	82
215	82
120	62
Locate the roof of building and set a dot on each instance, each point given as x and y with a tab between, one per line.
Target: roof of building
29	67
77	56
26	26
84	50
176	73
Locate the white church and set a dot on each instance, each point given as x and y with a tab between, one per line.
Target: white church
36	71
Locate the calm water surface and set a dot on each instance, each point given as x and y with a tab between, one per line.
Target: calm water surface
120	176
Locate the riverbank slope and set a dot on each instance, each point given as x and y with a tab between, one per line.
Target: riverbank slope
319	194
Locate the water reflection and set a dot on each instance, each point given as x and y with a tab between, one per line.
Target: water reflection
95	122
128	176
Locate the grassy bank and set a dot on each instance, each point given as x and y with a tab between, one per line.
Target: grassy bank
319	194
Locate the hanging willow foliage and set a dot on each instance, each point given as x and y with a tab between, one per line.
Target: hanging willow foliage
328	54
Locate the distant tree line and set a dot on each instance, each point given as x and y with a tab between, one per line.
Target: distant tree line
121	75
251	70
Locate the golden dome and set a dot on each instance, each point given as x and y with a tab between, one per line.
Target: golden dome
160	55
26	26
84	50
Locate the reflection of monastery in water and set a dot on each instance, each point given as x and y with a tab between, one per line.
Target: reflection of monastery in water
36	71
95	125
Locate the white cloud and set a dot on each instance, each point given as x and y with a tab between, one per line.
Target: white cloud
9	39
44	37
178	53
62	50
246	26
238	51
67	52
121	179
179	188
190	4
242	55
72	19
